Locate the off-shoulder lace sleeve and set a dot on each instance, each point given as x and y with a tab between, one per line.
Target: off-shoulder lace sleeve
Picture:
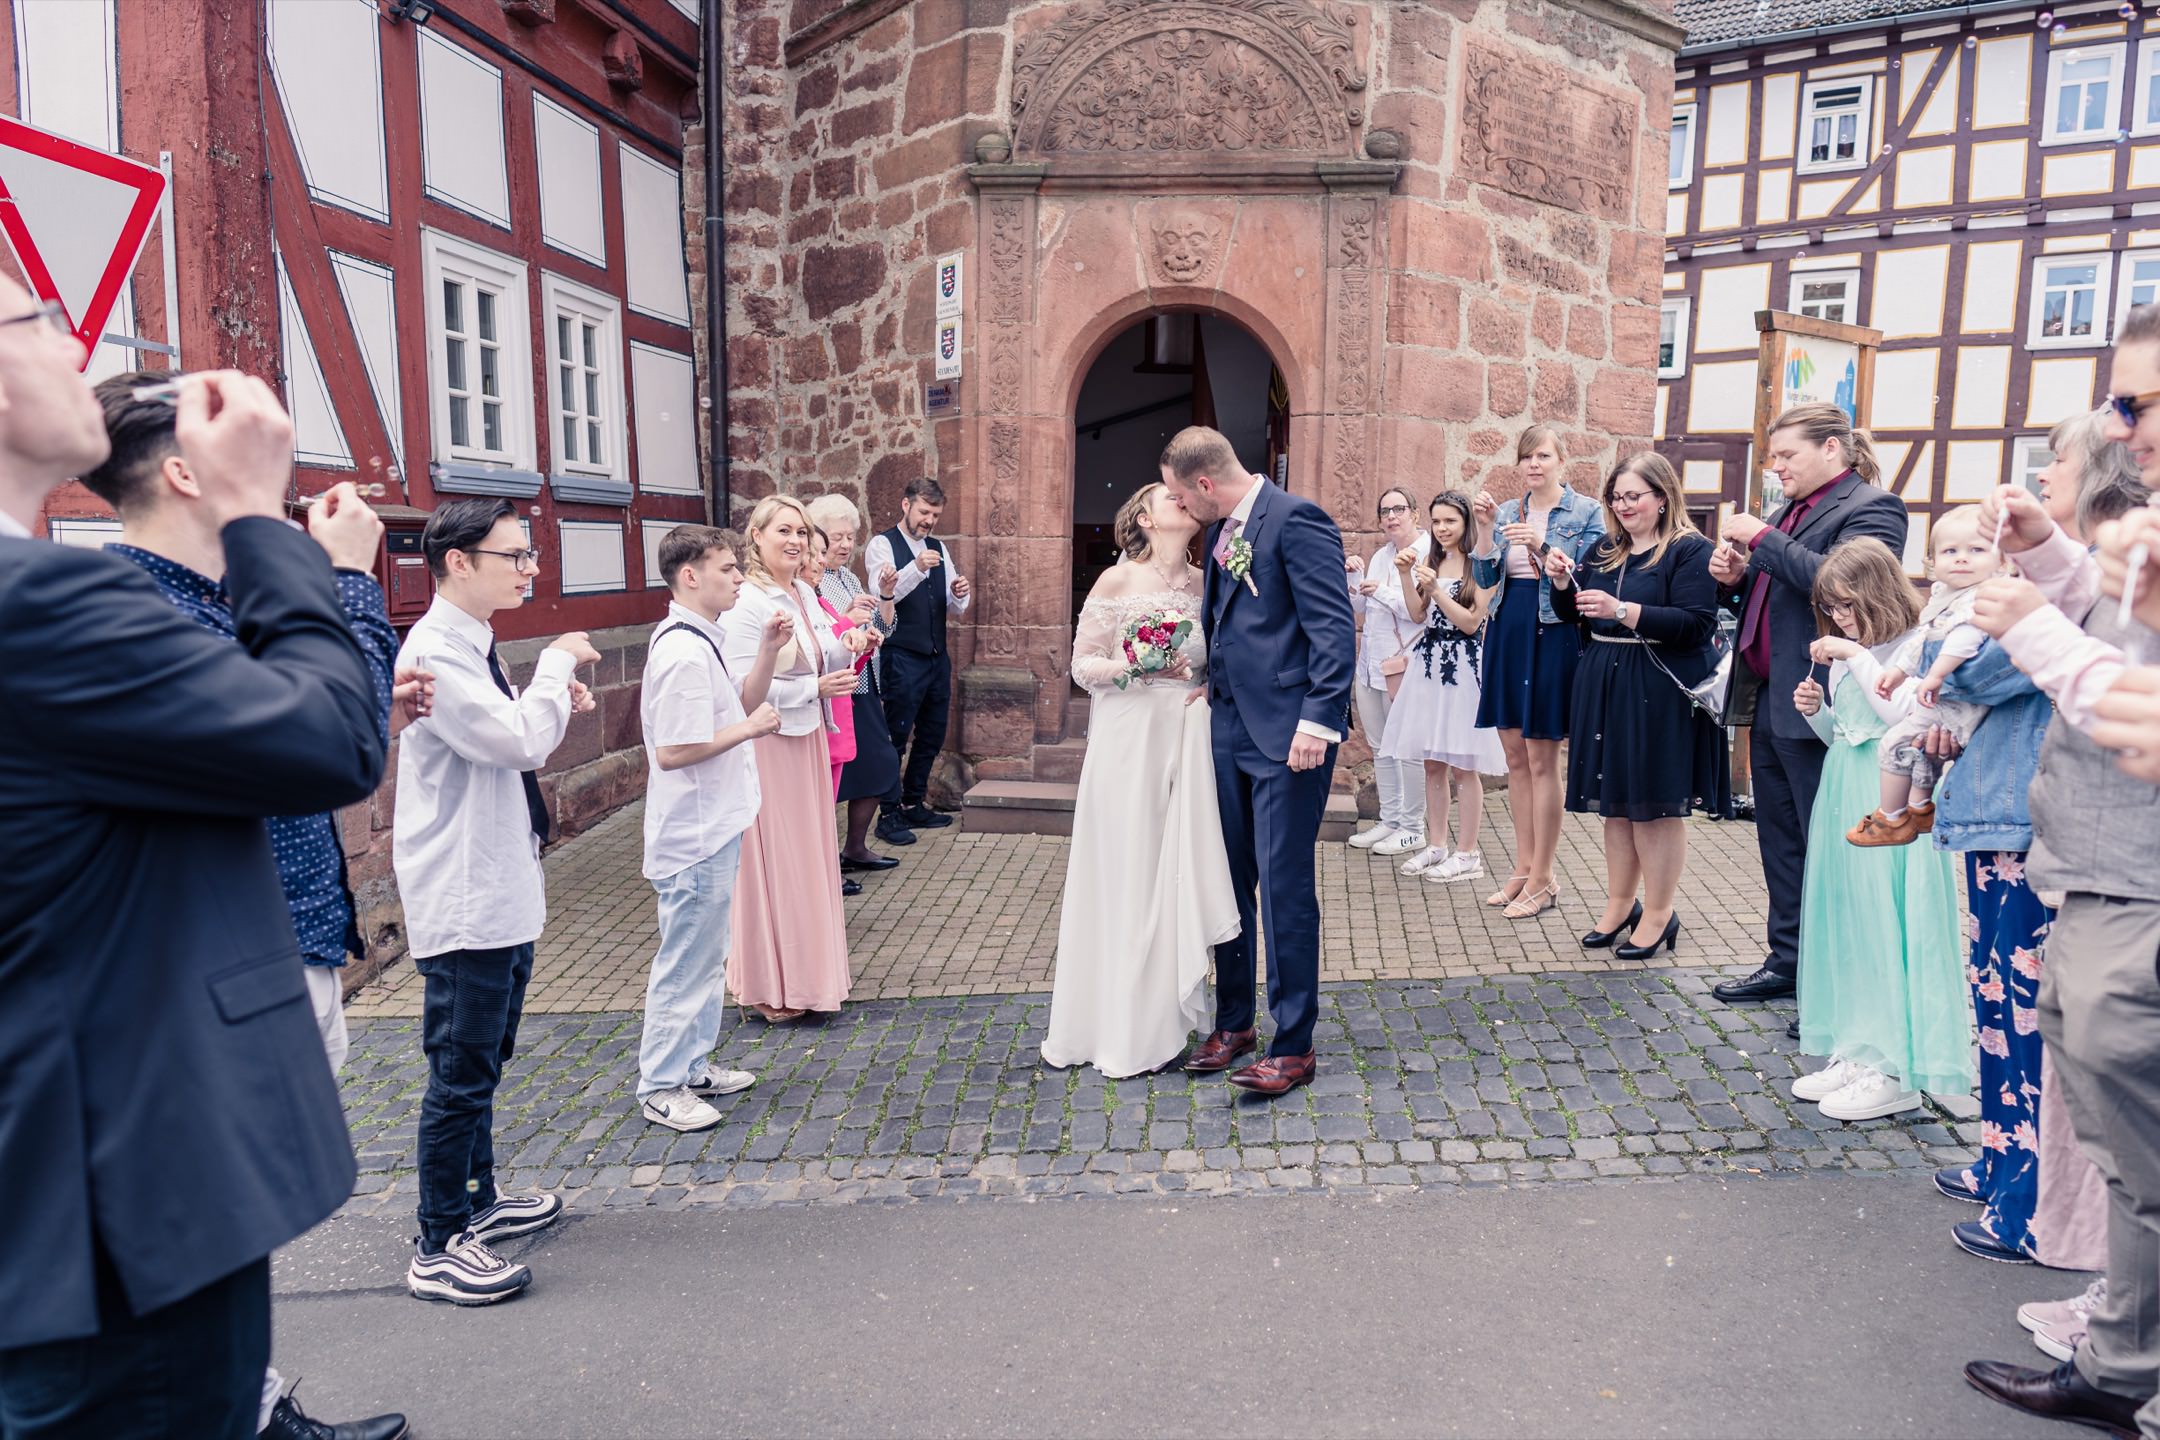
1098	656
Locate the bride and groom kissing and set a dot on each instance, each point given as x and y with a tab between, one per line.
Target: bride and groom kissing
1219	694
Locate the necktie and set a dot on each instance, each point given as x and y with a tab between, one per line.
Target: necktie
1754	618
1222	542
534	805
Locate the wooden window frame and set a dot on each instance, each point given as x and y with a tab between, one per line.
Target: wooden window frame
1683	307
1852	294
1864	140
561	296
2125	263
1688	115
445	256
2111	124
2103	275
2021	473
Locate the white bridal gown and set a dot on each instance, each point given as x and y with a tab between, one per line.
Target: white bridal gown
1147	889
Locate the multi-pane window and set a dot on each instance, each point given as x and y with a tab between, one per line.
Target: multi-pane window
1826	294
1683	148
479	353
2069	296
2140	283
577	390
2081	93
1672	339
472	344
1834	124
2145	96
2029	455
585	378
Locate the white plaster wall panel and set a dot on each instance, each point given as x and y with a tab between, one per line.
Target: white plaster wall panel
1817	196
1664	403
1725	136
1920	485
1983	388
1910	76
572	217
1870	200
370	293
1997	170
1940	115
2145	166
1721	397
688	9
1973	469
1916	533
2002	82
1875	66
1773	196
1991	286
83	534
1908	298
1721	196
327	58
1675	283
592	557
318	439
1890	457
67	69
461	130
1924	177
663	397
2089	172
653	532
1676	213
1904	396
2057	389
652	230
1780	116
1702	477
1726	299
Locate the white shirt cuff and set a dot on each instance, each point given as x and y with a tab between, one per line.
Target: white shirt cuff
1319	732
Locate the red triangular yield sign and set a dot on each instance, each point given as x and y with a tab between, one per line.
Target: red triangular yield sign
76	218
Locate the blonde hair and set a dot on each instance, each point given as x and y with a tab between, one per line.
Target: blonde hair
1135	540
1655	471
753	563
1540	434
1963	515
1822	421
834	512
1863	573
1201	450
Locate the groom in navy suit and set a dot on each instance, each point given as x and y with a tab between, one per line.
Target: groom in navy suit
1281	645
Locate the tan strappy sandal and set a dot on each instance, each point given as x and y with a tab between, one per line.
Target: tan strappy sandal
1537	902
1506	894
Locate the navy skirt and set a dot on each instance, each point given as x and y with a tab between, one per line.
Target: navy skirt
875	770
1529	668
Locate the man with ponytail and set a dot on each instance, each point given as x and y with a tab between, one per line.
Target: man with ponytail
1828	474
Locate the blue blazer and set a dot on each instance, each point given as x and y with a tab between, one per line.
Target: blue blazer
162	1082
1285	648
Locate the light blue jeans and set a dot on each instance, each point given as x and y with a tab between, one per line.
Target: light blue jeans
687	994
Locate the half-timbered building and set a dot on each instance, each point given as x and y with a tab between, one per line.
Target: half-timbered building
1979	182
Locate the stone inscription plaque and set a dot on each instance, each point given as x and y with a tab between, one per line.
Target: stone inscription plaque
1535	130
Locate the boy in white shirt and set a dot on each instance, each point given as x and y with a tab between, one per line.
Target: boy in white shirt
470	824
701	793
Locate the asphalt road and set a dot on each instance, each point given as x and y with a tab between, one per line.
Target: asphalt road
1829	1305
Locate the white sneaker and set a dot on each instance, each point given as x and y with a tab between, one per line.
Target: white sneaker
1870	1096
2058	1325
1431	857
679	1109
709	1080
1366	839
1462	865
466	1272
1402	842
1827	1081
515	1215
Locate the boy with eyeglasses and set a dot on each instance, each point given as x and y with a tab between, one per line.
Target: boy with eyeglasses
470	824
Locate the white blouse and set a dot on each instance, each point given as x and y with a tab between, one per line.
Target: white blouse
809	653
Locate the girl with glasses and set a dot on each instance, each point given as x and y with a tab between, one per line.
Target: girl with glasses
1376	594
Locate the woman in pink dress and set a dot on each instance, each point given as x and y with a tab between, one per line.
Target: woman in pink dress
842	741
788	951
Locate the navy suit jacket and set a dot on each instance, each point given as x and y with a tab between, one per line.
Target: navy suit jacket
162	1081
1287	653
1852	508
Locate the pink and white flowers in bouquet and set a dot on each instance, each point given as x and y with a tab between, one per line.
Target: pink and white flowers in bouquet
1152	643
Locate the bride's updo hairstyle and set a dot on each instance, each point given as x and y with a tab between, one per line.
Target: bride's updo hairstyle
1134	540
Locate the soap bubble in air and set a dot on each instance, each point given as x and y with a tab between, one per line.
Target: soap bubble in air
1971	40
2059	31
2045	19
2127	11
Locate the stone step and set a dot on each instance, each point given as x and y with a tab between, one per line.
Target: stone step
1038	807
1076	715
1060	764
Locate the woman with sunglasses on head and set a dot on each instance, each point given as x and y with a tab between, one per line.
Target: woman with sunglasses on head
1642	754
1376	594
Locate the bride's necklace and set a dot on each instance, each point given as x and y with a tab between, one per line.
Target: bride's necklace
1181	581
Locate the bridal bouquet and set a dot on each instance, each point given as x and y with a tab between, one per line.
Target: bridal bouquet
1151	643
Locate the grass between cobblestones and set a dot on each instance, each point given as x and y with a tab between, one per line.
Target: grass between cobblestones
1563	1077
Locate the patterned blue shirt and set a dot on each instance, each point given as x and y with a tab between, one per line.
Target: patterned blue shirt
310	859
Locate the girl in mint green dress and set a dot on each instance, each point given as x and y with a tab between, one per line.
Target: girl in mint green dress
1882	962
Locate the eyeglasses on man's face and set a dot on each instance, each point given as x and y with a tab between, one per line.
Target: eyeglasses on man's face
50	311
520	559
2127	408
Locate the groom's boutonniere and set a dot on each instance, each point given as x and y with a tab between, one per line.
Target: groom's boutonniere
1239	564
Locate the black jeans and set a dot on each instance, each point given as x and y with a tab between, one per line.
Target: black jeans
918	703
190	1371
1786	774
469	1031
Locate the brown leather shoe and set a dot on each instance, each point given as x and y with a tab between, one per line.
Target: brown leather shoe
1875	830
1219	1049
2058	1394
1276	1075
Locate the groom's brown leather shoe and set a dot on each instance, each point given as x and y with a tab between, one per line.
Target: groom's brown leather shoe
1219	1049
1276	1075
2058	1394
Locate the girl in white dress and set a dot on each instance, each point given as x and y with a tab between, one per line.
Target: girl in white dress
1434	718
1147	887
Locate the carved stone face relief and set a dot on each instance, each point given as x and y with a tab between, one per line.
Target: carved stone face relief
1185	247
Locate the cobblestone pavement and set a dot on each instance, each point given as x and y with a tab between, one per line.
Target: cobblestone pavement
1515	1080
978	914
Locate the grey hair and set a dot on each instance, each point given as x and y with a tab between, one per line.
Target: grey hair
2108	483
835	512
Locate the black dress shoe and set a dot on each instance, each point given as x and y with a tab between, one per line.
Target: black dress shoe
1668	939
1792	1029
922	817
893	831
851	866
1764	984
2058	1394
1602	939
289	1422
850	887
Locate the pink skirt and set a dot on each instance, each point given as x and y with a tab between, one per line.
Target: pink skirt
789	936
840	745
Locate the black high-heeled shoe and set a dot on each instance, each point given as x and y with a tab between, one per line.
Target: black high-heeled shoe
1603	939
1670	940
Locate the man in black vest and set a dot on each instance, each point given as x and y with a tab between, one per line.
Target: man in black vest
917	676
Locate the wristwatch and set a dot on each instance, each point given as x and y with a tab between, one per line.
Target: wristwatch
1620	612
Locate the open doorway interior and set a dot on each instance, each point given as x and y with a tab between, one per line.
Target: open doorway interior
1162	374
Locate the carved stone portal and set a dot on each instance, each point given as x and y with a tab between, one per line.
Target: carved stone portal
1114	77
1185	247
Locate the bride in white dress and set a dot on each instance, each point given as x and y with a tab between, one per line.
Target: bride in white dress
1147	889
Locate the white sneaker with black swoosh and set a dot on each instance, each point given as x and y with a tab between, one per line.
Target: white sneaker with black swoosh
514	1215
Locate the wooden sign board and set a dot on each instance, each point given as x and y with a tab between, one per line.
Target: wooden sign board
1801	360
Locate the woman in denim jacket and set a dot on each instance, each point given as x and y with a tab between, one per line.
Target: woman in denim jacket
1530	653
